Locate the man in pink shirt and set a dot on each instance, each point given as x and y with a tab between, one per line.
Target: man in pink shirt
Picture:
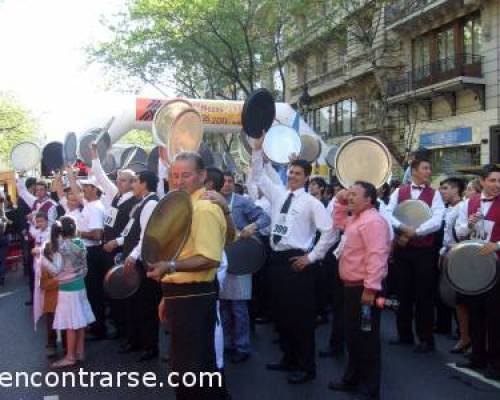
363	254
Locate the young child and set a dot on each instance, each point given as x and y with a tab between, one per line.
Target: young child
66	258
45	291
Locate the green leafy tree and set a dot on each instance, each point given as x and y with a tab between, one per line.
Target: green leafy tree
139	138
16	125
207	47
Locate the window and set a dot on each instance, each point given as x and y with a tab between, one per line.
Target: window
446	50
324	120
472	39
322	62
421	57
346	116
335	120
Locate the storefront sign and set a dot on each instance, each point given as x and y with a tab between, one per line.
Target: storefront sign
452	137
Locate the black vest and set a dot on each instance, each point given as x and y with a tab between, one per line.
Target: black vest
134	235
122	217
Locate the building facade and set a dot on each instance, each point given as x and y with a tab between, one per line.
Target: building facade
428	76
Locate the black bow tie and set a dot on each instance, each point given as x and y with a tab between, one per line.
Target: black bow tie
417	187
488	200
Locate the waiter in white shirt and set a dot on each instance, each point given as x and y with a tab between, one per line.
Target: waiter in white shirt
118	201
91	227
295	218
479	217
143	322
415	257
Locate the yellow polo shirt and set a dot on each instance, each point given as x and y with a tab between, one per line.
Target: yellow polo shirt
207	239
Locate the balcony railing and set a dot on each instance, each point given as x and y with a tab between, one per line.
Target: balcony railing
468	65
400	9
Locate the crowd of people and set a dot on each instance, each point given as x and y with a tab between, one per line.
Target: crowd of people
333	253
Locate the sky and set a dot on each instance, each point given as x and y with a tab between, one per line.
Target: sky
43	63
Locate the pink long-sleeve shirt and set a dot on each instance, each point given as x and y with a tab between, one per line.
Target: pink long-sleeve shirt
366	247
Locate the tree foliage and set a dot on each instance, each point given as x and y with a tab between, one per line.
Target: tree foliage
139	138
16	125
207	47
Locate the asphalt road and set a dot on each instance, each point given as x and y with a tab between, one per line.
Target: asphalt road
405	375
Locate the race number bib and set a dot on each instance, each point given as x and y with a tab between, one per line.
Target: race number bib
110	218
126	231
282	226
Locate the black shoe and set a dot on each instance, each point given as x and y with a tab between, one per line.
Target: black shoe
96	338
470	365
28	303
279	366
129	348
238	357
399	342
342	386
423	348
491	373
330	353
116	335
298	377
229	352
262	320
148	355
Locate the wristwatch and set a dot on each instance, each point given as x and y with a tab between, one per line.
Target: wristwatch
171	267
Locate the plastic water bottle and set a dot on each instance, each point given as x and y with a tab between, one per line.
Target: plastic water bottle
366	318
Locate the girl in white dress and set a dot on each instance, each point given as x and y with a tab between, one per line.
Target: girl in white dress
65	256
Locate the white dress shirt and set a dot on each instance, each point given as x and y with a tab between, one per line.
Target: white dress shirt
305	216
143	220
75	214
162	176
428	227
462	225
382	209
109	188
450	218
91	218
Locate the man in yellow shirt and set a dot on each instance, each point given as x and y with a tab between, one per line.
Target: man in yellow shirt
188	284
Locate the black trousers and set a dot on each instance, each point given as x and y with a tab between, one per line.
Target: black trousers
26	247
143	323
260	305
484	314
336	299
444	313
294	304
322	288
94	284
118	307
363	362
191	310
415	276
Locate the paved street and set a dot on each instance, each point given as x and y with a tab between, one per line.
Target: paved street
405	375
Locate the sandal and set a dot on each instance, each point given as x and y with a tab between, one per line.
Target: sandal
63	362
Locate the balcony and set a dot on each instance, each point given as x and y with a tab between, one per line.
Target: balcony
444	70
399	13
